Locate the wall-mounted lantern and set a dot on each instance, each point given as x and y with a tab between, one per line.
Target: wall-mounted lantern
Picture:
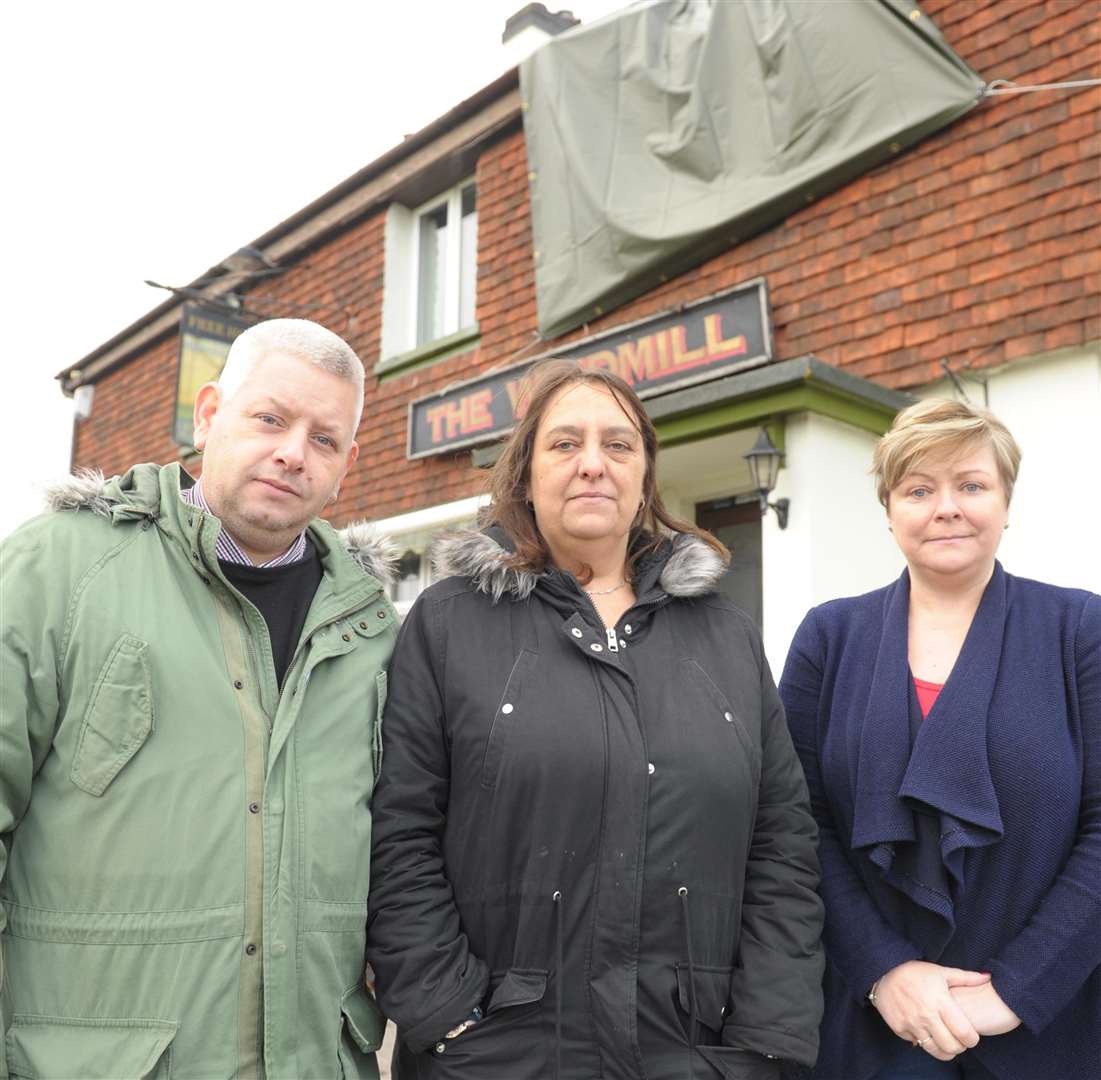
764	467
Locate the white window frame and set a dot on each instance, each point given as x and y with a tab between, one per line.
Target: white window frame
416	530
402	270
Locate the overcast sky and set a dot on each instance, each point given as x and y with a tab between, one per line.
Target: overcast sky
150	140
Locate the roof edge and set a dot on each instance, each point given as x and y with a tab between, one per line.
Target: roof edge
161	319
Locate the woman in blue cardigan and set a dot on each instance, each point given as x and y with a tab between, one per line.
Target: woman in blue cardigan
950	730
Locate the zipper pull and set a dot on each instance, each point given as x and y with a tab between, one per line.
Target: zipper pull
613	645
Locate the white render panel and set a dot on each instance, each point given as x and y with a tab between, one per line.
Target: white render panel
430	517
1052	405
836	543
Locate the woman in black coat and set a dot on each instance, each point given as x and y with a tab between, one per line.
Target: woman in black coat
593	853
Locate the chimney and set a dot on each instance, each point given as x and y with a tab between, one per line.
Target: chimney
532	25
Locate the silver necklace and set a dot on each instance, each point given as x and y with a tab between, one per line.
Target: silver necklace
604	592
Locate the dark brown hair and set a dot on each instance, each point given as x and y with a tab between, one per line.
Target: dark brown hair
509	508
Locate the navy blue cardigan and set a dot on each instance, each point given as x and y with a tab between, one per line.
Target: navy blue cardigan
1009	760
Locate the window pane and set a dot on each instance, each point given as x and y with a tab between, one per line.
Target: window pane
468	256
430	278
408	584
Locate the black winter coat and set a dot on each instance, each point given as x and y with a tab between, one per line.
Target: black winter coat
602	840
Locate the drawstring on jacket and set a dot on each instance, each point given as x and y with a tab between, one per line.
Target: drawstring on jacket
557	898
682	892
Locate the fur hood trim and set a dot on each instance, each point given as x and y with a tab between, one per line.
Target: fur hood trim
478	556
88	489
376	554
85	489
693	568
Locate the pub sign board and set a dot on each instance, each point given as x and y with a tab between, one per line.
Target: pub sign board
206	333
715	336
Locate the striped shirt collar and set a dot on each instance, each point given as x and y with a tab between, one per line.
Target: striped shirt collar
227	549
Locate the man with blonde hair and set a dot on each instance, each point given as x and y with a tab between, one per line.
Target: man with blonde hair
192	679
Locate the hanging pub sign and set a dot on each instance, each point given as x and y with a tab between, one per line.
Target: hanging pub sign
714	336
206	333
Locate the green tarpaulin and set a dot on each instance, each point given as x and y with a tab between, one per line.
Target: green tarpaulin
676	129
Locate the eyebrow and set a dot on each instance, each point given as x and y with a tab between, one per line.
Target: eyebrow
917	474
569	429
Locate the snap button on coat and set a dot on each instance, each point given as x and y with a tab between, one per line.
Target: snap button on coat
532	868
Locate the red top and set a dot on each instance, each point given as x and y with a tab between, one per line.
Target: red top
927	694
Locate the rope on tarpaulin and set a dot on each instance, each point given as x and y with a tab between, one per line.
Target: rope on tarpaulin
1005	86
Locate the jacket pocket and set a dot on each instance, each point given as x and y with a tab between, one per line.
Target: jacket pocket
118	719
61	1047
380	705
733	1063
510	1043
711	985
520	986
362	1026
510	712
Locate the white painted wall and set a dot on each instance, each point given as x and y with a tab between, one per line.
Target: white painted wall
836	543
708	469
1052	405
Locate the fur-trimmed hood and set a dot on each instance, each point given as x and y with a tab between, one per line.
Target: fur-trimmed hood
375	553
137	494
692	568
85	489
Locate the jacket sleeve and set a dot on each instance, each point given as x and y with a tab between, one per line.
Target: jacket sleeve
428	981
1045	965
28	698
777	985
860	943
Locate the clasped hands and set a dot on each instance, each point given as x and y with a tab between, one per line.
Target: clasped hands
943	1010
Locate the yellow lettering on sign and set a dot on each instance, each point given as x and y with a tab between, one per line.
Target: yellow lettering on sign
661	361
718	347
465	416
519	405
211	326
478	415
682	355
635	358
438	416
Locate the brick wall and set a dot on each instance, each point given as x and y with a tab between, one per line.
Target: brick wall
979	246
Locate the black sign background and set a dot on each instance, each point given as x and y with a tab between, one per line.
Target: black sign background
703	340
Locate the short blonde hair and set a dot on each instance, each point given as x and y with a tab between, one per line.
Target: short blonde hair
936	426
301	338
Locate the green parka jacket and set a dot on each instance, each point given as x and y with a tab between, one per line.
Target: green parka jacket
184	863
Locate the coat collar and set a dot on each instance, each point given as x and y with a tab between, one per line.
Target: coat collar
947	772
152	491
691	567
